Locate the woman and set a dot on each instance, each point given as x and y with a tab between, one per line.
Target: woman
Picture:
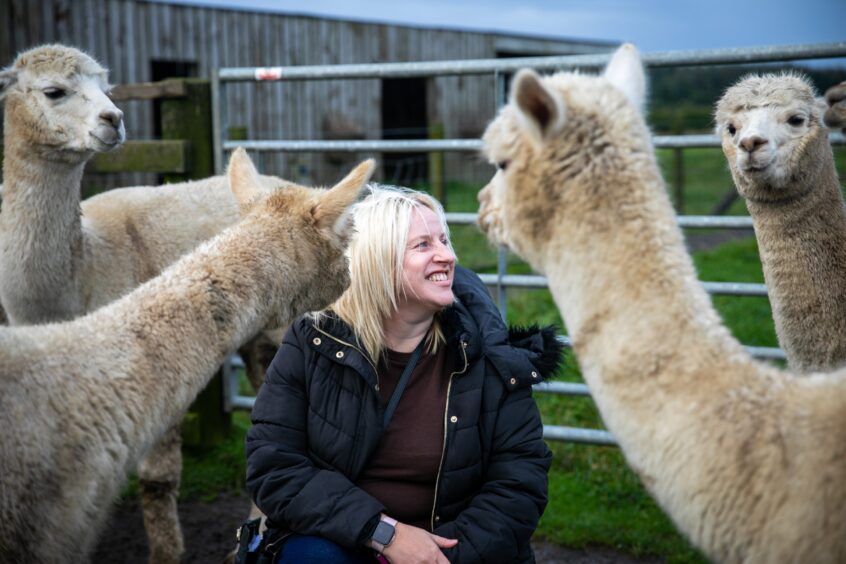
458	473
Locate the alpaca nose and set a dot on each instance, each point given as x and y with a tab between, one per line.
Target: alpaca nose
113	116
751	143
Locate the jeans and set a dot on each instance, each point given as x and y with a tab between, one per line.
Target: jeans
308	549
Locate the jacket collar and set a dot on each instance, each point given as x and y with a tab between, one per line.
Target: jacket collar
335	340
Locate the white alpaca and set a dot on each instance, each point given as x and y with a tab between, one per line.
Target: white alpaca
80	401
57	115
782	164
60	258
749	461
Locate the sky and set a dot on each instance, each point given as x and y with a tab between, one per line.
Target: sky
653	25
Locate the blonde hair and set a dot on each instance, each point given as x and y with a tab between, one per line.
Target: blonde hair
376	251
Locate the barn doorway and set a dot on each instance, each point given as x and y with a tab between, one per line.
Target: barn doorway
404	117
160	70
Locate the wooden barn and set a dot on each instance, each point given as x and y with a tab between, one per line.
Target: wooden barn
143	41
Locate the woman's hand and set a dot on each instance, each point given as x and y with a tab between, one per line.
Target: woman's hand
412	545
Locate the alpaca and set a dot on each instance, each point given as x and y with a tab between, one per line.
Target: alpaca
57	115
80	401
782	164
749	461
60	258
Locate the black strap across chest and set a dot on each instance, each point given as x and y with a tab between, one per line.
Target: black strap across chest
403	381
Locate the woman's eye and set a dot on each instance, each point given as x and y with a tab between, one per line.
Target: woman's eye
55	93
731	129
796	121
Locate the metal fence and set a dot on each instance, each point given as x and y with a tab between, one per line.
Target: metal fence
500	69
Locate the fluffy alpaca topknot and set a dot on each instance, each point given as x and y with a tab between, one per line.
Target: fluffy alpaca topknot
755	91
61	59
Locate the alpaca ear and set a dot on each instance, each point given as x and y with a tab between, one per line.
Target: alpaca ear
243	177
539	108
8	77
331	210
625	71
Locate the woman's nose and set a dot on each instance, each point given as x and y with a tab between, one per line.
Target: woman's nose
444	253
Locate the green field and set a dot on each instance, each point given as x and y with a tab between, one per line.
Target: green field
594	498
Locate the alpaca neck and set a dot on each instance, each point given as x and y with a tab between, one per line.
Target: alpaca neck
40	227
181	325
804	262
630	298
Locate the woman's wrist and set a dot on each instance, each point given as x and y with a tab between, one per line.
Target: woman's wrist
383	534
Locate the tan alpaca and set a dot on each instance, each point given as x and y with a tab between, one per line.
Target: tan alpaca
60	258
80	401
749	461
782	164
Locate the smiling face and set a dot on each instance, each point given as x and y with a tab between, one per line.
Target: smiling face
428	265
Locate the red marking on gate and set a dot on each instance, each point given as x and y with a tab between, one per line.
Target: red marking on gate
268	73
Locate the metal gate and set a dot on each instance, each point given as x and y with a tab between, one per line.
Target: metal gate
500	69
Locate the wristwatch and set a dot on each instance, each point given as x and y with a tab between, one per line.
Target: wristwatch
384	533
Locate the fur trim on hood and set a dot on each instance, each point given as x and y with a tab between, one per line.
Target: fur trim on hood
544	344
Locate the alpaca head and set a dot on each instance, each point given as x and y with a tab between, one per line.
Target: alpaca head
57	104
315	220
771	130
561	145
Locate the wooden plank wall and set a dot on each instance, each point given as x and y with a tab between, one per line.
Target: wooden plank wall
126	35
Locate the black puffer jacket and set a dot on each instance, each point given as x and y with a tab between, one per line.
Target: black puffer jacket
317	420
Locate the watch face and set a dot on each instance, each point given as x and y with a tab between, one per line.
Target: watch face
384	533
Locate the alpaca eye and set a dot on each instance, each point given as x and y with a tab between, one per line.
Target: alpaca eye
502	165
796	121
55	93
731	129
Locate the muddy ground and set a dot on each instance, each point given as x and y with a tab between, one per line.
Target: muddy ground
209	529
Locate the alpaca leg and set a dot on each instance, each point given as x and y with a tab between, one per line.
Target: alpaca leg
159	476
258	353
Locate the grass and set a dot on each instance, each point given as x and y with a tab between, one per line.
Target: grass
594	498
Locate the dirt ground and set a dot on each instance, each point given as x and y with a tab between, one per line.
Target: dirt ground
209	530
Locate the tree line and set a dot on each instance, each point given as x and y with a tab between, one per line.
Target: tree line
682	98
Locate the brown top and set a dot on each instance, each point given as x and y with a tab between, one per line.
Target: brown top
402	471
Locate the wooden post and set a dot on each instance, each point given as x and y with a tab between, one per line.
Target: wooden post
436	166
189	117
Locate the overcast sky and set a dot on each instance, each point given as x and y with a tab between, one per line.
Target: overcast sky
653	25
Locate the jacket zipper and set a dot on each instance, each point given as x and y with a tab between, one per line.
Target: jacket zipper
443	448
